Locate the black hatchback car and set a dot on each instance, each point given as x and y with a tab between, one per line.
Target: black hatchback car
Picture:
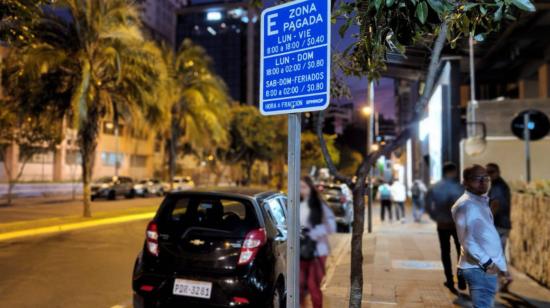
214	248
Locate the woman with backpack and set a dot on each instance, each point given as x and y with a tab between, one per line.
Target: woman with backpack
384	195
317	222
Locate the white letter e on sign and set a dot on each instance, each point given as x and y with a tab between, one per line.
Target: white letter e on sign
271	23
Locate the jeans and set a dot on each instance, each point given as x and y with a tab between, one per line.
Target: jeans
311	276
418	208
444	236
399	210
483	287
386	206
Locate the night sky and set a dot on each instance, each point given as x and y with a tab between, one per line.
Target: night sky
384	99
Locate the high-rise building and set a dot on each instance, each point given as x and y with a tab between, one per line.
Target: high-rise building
229	32
159	18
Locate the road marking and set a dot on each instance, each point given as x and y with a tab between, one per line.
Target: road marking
74	226
330	272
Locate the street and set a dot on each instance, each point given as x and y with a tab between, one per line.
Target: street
84	268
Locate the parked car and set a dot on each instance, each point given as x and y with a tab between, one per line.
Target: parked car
147	187
112	186
340	199
181	183
222	248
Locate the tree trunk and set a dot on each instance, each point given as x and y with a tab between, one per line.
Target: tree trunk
175	134
249	164
88	132
11	185
356	276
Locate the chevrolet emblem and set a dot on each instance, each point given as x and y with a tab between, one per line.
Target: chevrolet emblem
196	242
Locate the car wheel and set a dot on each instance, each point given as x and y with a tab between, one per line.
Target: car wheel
278	299
141	302
131	194
112	195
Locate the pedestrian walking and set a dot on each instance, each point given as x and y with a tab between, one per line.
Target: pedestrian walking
439	201
481	257
418	192
317	222
399	196
384	195
500	201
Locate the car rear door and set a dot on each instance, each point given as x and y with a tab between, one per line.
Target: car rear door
204	233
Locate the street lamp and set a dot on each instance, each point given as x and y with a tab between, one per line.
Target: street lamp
367	111
374	147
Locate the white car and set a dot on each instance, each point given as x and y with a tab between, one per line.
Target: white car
147	187
181	183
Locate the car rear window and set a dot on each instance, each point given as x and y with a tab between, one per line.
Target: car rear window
235	216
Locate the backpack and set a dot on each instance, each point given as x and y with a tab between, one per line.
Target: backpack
385	193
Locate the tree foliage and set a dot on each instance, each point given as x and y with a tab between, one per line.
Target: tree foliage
26	117
388	26
311	152
106	65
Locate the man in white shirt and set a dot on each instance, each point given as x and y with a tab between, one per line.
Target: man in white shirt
481	256
399	196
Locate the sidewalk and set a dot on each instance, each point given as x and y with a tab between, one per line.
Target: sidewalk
402	268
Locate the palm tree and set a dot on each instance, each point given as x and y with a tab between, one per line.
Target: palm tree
110	68
199	102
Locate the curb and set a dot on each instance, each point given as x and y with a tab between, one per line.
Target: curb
74	226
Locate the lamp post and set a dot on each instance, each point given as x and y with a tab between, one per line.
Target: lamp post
368	111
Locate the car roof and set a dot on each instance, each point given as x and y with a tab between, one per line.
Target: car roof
250	192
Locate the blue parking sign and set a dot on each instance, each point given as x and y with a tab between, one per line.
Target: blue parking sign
295	57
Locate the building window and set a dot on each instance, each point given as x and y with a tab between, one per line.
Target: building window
138	161
109	128
42	157
73	157
109	158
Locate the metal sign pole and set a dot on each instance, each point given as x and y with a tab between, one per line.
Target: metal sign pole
527	137
370	98
293	241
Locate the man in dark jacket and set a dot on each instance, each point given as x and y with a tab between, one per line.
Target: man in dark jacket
439	201
499	197
499	200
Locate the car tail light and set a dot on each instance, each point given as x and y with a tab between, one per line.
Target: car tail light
240	300
152	236
146	288
253	241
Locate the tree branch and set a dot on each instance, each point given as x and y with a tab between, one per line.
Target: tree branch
326	155
405	134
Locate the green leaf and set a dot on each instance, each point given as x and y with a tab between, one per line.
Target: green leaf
469	6
422	12
377	4
510	17
498	14
437	5
525	5
389	3
345	27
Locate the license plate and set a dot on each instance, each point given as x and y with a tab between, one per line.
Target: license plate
192	288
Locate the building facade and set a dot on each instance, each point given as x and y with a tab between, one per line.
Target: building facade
137	156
